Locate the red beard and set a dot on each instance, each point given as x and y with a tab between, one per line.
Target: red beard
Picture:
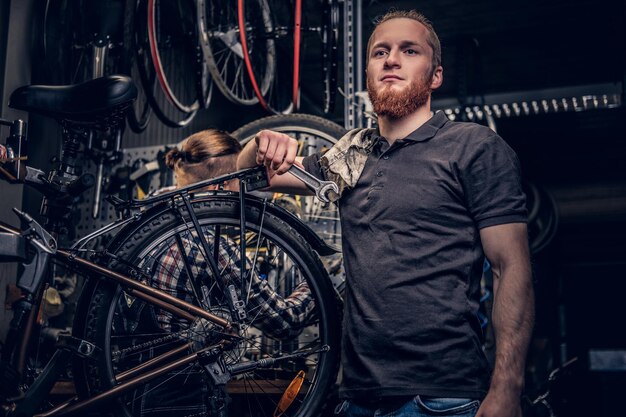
393	104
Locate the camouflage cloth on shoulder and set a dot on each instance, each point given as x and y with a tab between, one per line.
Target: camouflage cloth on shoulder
344	162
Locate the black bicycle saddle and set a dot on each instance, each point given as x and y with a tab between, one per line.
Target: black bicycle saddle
81	102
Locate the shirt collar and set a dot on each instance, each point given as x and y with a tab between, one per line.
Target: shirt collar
425	131
428	129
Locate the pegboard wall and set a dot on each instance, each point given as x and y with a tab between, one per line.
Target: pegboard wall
117	181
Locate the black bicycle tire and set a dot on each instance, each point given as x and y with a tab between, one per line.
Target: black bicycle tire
275	96
147	76
204	80
136	117
54	41
297	122
330	52
137	120
95	316
156	54
219	25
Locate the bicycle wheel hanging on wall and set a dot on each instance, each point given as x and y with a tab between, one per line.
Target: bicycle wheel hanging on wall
330	52
74	35
222	46
135	59
80	40
184	86
54	43
129	331
261	41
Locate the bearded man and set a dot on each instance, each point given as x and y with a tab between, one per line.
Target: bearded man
423	201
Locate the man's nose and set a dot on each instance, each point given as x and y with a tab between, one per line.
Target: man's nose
393	59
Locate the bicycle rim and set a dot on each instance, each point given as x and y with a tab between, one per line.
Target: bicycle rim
330	51
165	111
224	54
173	53
128	330
260	53
138	115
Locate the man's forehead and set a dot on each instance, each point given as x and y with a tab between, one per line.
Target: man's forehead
400	28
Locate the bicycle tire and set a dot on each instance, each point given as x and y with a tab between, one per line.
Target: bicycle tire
316	126
297	43
68	41
100	318
260	58
330	52
139	114
167	113
54	42
218	27
162	30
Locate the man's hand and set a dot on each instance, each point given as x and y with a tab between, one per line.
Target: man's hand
503	402
276	151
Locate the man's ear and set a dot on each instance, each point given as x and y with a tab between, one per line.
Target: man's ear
437	78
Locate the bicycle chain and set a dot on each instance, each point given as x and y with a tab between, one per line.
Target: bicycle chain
149	344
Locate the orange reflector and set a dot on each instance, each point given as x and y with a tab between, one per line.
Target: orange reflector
290	394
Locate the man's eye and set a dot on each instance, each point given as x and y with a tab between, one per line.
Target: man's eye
411	52
379	53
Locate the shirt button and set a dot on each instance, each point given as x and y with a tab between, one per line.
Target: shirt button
379	174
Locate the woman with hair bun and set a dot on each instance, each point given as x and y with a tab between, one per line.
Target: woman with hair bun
206	154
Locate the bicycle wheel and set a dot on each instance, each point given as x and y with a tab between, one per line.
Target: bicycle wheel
173	52
315	134
171	42
260	46
80	40
138	116
128	330
330	52
55	42
168	114
223	50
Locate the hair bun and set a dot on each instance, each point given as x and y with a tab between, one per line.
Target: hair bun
172	156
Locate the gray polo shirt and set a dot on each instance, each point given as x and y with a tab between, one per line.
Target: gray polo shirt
413	259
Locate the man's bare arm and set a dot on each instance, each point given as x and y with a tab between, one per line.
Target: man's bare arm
277	152
506	248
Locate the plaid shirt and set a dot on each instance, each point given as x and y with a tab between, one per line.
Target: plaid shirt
267	310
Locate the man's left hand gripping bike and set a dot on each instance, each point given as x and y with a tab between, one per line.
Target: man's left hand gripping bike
130	331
